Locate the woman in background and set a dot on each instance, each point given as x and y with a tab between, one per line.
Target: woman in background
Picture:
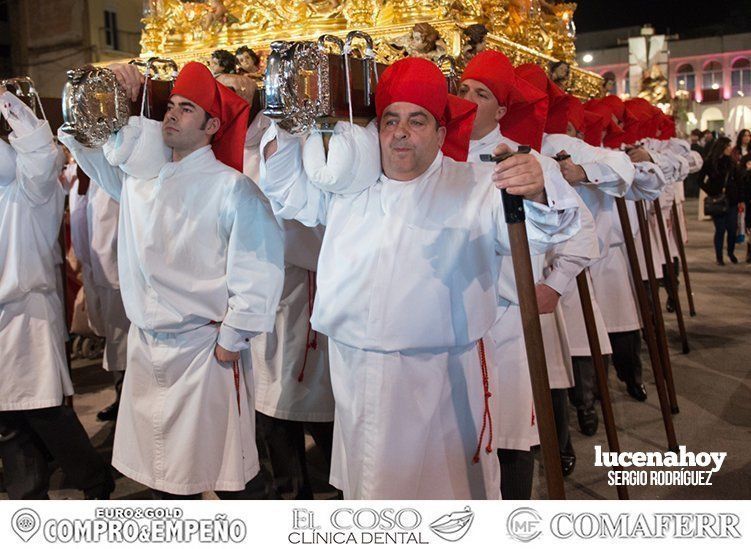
718	176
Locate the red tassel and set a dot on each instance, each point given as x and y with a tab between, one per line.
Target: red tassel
487	418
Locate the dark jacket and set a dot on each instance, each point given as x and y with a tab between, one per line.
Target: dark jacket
721	176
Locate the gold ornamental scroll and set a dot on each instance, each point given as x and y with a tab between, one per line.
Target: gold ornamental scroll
537	31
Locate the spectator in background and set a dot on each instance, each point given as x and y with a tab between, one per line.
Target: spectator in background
718	176
744	169
691	185
742	145
707	141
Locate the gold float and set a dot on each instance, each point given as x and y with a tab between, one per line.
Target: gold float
526	31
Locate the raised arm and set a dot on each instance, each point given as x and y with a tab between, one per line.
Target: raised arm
38	160
551	205
610	171
648	182
94	164
571	257
284	181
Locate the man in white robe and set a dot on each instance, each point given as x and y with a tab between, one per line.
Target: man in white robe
93	228
200	260
406	292
35	378
509	112
290	365
611	276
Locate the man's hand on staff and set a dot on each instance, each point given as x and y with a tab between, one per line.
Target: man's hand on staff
129	77
639	154
520	175
223	355
573	173
547	299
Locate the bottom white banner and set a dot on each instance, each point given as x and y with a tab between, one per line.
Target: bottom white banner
272	524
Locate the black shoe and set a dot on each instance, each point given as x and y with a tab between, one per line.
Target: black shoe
733	259
568	460
720	262
587	421
670	305
101	491
637	391
109	413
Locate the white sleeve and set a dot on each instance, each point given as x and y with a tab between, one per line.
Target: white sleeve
695	162
284	181
574	255
38	160
610	171
255	266
93	163
648	182
547	224
353	162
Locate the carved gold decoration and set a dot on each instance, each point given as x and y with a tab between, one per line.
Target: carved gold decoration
538	31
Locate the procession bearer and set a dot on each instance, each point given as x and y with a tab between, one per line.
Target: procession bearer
407	291
201	270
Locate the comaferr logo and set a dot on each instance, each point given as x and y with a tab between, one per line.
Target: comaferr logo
454	526
524	524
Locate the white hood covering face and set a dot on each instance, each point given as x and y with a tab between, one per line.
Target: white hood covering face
354	159
134	148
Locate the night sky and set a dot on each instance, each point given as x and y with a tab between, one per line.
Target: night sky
689	18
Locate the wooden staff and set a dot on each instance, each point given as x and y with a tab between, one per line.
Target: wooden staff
649	327
662	339
602	376
678	232
64	296
670	281
513	208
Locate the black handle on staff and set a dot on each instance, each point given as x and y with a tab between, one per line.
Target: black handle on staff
649	327
595	350
682	254
670	280
513	209
662	338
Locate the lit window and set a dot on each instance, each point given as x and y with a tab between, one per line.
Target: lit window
740	77
685	78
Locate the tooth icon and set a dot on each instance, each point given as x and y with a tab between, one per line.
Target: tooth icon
25	523
454	526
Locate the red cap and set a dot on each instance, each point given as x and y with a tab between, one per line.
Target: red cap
648	118
667	127
526	106
420	82
614	134
593	125
196	83
562	107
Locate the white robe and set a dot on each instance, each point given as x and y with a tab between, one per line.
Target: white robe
33	366
200	260
514	425
406	287
291	364
609	174
611	275
93	228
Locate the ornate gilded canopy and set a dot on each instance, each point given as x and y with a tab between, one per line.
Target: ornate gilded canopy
537	31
